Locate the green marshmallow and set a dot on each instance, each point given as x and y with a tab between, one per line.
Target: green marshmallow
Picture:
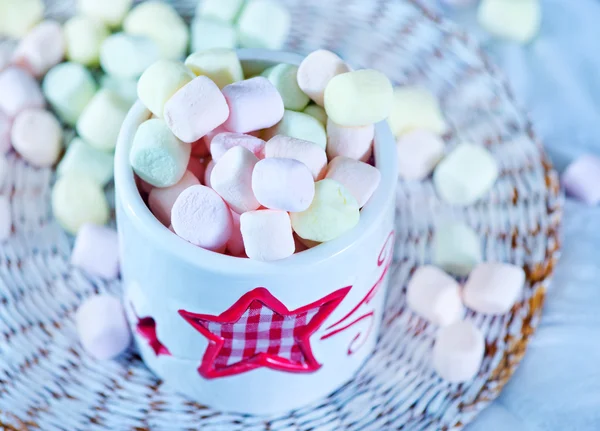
300	126
83	159
209	34
285	78
456	248
317	112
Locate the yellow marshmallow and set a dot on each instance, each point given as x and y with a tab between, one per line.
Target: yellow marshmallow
517	20
84	37
17	17
415	108
110	12
160	81
222	65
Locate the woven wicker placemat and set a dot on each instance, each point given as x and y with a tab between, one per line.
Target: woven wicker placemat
48	383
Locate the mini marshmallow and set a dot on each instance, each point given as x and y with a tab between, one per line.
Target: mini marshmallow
211	135
315	72
78	199
126	89
219	64
196	167
415	108
160	82
223	142
37	137
17	17
300	126
317	112
100	122
434	295
456	248
96	251
358	98
103	329
157	156
517	20
43	48
352	142
309	153
231	178
419	151
493	288
254	104
5	218
332	213
84	37
466	174
209	168
161	200
202	218
19	92
283	184
210	34
5	130
267	235
263	24
84	159
69	87
235	245
221	10
196	109
127	56
359	178
160	22
581	179
285	78
458	352
110	12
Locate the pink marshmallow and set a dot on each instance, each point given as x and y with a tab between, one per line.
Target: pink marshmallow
309	153
196	167
103	329
5	129
19	91
43	48
225	141
267	235
37	136
231	178
202	218
161	200
351	142
361	179
209	168
254	104
235	245
196	109
494	288
5	218
96	251
315	72
283	184
581	179
211	135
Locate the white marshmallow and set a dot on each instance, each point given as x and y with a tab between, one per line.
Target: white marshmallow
110	12
267	235
210	34
493	288
415	108
458	352
517	20
456	248
352	142
263	24
315	72
127	56
419	151
221	10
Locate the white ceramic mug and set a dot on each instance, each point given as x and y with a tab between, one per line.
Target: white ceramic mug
311	320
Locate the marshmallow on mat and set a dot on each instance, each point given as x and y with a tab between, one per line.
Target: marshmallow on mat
42	48
221	10
208	172
458	352
283	184
196	109
161	81
466	174
37	136
456	248
223	142
315	72
160	22
332	213
126	89
100	122
110	12
359	178
19	92
202	218
581	179
161	200
309	153
76	200
17	17
285	78
219	64
5	218
84	159
352	142
157	156
434	295
358	98
69	87
300	126
419	151
103	329
517	20
267	235
235	245
209	34
5	130
254	104
84	37
96	251
493	288
127	56
231	178
415	108
263	24
317	112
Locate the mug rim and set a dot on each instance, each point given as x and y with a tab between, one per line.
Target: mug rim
128	196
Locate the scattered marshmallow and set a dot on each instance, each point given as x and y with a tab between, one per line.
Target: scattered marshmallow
581	179
210	34
96	251
223	142
127	56
84	159
458	352
317	112
161	200
267	235
415	108
231	178
359	178
37	137
84	37
100	122
19	92
5	218
43	48
309	153
352	142
160	82
5	130
235	245
493	288
263	24
219	64
435	295
285	78
17	17
514	20
110	12
419	152
221	10
456	248
300	126
315	72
